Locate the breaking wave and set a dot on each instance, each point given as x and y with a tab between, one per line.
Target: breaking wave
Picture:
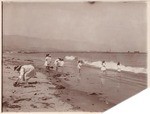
111	65
69	57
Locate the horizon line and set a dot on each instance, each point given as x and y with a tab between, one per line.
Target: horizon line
32	51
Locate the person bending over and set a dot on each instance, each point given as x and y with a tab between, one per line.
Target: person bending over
25	73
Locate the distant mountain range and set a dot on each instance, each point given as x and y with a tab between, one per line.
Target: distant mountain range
17	43
24	43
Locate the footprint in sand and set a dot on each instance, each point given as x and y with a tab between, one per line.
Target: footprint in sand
67	74
14	91
60	87
76	108
56	95
45	98
57	75
93	94
6	104
23	99
14	106
28	86
33	82
68	99
47	105
35	93
8	67
33	106
104	99
66	79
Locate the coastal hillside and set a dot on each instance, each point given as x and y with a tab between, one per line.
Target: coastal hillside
24	43
17	43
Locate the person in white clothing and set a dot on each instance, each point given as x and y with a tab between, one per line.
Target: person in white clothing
56	63
25	73
79	65
118	67
47	62
59	63
103	68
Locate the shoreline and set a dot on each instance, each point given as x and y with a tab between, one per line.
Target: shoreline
30	52
68	94
66	89
17	97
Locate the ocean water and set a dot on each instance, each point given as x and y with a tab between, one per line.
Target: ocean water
127	59
132	62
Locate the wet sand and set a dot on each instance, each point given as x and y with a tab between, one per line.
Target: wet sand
60	92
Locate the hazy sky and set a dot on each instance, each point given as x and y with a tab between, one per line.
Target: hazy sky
100	26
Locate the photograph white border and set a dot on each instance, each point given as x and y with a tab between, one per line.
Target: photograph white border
143	106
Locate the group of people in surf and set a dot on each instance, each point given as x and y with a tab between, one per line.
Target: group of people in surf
59	63
103	66
28	71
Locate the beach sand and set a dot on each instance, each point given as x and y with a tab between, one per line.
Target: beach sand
62	91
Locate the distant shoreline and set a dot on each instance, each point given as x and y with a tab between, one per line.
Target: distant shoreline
29	52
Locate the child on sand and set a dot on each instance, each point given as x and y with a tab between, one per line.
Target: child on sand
59	63
25	73
56	63
47	62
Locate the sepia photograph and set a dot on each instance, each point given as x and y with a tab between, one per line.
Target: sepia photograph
85	56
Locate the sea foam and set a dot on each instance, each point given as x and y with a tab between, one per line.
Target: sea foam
111	65
69	57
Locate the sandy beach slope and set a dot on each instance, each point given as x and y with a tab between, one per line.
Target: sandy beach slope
62	92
